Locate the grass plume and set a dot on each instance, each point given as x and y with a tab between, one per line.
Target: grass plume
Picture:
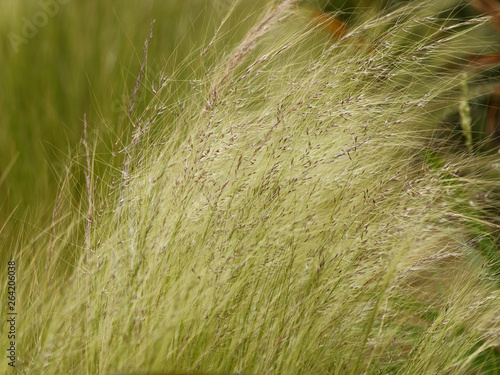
299	210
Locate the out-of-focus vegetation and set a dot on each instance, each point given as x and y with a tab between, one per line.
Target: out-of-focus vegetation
83	57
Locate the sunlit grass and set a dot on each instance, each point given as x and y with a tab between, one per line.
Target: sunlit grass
294	206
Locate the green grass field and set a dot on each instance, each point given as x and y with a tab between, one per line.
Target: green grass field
247	193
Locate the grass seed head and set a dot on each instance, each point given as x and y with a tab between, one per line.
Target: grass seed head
295	212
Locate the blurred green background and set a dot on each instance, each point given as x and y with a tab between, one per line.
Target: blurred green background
61	59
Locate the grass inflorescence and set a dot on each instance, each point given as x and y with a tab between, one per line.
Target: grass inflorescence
299	209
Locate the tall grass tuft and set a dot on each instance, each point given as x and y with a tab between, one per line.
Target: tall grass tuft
299	208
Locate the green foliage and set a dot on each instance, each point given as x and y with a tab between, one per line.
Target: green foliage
84	59
284	203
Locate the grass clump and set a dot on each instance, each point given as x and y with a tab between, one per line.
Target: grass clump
296	211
